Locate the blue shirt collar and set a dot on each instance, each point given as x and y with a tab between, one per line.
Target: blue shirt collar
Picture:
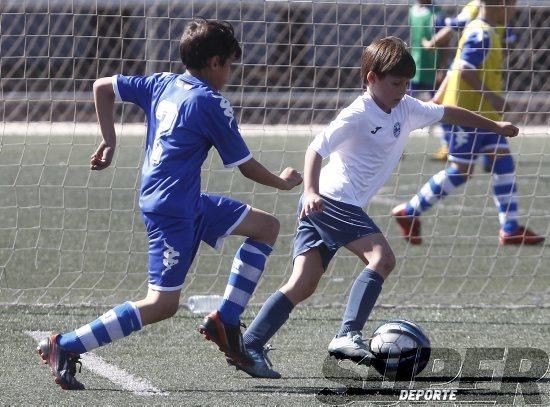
193	80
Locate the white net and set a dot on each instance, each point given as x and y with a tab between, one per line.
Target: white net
70	236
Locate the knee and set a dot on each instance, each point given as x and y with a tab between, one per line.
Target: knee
269	230
384	265
297	293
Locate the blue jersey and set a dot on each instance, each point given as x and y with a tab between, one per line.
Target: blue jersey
185	118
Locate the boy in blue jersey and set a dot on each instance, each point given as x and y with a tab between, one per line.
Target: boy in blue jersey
364	144
186	116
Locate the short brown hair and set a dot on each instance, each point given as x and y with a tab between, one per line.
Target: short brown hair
203	39
387	56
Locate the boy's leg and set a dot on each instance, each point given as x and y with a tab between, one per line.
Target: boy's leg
61	351
248	266
307	271
439	186
171	251
464	144
506	201
261	228
505	190
375	252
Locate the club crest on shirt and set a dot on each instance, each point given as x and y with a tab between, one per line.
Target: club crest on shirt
396	129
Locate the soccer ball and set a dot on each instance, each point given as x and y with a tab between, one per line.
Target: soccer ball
401	349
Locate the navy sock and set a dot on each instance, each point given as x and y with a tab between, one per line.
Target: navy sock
273	314
363	296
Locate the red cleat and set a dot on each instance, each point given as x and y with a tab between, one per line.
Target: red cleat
62	363
228	338
409	225
521	235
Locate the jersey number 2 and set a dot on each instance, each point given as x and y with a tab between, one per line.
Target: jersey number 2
165	114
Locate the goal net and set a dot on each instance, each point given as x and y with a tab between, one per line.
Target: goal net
72	236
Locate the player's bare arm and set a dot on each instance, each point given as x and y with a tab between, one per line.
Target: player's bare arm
463	117
104	98
312	169
255	171
440	39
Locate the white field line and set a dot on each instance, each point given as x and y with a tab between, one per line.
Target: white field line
112	373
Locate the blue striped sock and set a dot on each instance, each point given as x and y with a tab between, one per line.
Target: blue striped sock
117	323
505	192
246	271
438	187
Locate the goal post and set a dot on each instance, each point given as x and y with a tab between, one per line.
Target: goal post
72	236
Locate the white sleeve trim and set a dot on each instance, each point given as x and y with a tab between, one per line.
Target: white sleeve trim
115	87
245	159
442	111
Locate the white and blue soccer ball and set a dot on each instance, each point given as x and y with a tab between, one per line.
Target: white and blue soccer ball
402	349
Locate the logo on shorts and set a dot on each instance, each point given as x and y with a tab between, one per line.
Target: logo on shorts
170	256
460	138
396	129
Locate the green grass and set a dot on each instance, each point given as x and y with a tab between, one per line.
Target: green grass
72	237
173	357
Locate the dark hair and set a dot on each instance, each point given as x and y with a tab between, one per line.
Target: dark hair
387	56
203	39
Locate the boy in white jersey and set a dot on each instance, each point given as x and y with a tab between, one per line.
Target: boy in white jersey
364	144
186	117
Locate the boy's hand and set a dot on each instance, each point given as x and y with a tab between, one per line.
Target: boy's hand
102	157
427	44
292	177
507	129
312	203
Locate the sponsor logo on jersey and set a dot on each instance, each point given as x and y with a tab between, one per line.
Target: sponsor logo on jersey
375	130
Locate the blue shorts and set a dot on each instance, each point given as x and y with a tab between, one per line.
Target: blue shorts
173	242
339	224
466	143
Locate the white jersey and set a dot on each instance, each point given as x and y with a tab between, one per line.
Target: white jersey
365	144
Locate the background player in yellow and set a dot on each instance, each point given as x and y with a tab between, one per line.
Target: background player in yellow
475	82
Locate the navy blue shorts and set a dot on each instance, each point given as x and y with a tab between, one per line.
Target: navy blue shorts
173	242
339	224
